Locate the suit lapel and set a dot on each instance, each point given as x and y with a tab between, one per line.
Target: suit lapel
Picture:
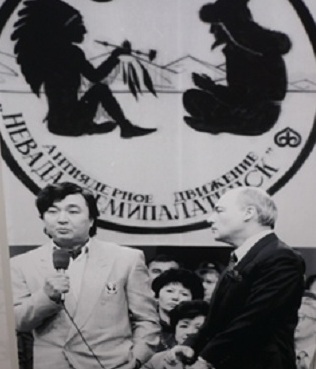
45	265
70	303
255	250
96	273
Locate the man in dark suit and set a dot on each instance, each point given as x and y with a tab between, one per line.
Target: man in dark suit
253	311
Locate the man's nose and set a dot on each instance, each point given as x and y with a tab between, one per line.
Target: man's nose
175	296
62	217
210	219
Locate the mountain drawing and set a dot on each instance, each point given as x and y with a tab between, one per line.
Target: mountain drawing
302	85
173	77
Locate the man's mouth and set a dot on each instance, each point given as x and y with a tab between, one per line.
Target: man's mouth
63	230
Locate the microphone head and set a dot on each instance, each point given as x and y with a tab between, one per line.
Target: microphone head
61	259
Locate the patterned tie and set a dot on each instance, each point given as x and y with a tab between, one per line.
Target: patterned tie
232	261
302	360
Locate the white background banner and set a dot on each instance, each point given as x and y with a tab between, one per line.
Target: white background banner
158	187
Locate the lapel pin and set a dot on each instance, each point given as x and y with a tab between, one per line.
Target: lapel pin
111	288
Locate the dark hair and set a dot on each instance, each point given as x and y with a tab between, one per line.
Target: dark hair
309	281
57	192
187	310
201	272
208	267
164	258
187	278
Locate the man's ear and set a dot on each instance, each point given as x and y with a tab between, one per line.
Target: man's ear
250	213
46	232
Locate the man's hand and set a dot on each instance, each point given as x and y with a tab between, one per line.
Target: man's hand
203	81
178	354
55	285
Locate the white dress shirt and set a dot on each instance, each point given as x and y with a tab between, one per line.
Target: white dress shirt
76	271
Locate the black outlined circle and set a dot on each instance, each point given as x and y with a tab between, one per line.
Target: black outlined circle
310	28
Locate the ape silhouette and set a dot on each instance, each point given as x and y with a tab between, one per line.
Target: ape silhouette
250	104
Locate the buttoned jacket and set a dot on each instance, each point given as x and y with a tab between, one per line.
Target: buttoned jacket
115	312
254	309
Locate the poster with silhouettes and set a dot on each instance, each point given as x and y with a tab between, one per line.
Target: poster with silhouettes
157	107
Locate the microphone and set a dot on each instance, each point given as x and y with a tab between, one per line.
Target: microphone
61	260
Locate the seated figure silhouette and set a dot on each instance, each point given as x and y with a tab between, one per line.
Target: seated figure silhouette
250	103
46	35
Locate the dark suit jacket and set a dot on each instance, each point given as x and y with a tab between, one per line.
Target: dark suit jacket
253	312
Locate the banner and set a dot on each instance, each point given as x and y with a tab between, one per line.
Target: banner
158	107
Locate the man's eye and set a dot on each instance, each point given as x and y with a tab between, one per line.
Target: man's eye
73	211
51	210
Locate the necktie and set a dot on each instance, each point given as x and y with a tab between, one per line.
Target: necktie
302	360
232	261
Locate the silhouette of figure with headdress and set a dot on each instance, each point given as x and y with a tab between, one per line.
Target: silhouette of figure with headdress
250	104
45	34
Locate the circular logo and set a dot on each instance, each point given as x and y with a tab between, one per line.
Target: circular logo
158	108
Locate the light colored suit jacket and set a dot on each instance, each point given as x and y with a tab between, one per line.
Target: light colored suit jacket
115	312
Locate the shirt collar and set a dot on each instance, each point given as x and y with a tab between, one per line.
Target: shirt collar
242	250
309	350
84	249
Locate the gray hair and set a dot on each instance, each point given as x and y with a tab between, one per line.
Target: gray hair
262	202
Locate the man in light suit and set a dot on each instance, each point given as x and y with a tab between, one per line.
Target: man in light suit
254	309
100	313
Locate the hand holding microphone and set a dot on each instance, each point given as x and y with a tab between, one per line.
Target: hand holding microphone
58	283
